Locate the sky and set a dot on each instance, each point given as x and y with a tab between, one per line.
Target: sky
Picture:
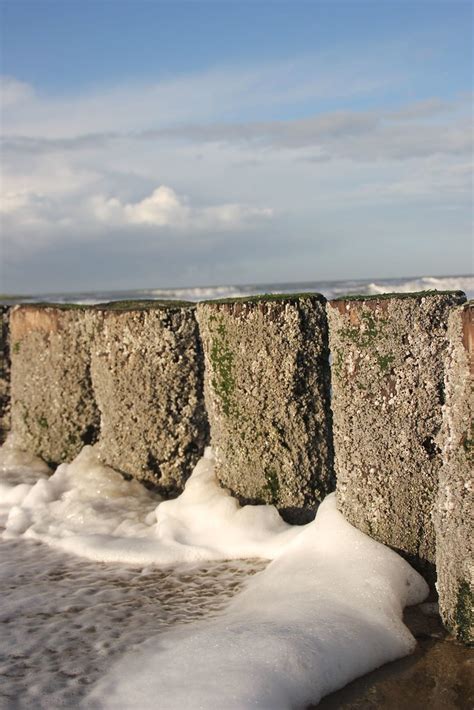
152	144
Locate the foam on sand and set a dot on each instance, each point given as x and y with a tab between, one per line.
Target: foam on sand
326	610
89	509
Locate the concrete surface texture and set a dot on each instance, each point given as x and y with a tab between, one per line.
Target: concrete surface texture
53	412
453	516
4	372
147	376
388	392
267	391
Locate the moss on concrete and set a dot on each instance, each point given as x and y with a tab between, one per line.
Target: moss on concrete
464	614
57	306
453	517
127	305
141	305
222	359
4	372
267	394
397	295
272	486
388	392
291	298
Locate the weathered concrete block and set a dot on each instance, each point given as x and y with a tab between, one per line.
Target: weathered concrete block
388	390
147	374
267	390
454	510
53	412
4	372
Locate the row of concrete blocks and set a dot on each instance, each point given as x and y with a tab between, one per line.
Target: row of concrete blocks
390	420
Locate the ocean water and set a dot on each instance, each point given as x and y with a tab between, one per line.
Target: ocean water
113	598
330	289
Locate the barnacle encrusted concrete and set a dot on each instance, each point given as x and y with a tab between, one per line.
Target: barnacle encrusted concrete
388	390
53	413
454	510
267	390
147	374
4	372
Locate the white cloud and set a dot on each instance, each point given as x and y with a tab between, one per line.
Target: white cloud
163	208
355	135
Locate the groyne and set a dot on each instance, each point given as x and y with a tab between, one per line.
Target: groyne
388	396
147	378
128	378
268	399
5	423
53	410
454	509
387	423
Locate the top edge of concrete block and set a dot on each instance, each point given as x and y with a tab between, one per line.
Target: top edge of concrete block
8	300
459	295
266	298
142	305
137	305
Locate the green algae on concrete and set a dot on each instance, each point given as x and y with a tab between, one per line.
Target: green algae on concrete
388	391
394	294
147	375
4	372
53	411
143	305
454	510
267	388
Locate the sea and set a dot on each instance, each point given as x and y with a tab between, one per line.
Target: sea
112	598
330	289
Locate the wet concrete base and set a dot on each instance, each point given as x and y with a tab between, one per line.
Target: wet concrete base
439	675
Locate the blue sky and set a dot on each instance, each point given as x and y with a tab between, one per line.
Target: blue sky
177	143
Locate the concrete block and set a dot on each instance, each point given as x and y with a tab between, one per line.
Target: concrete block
53	412
453	517
388	391
267	390
147	375
4	372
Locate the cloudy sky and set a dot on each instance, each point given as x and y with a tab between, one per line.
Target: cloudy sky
153	144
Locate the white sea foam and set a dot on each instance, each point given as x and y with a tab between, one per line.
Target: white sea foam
327	609
330	289
425	283
89	509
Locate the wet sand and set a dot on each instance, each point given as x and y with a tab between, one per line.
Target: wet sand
439	675
63	621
